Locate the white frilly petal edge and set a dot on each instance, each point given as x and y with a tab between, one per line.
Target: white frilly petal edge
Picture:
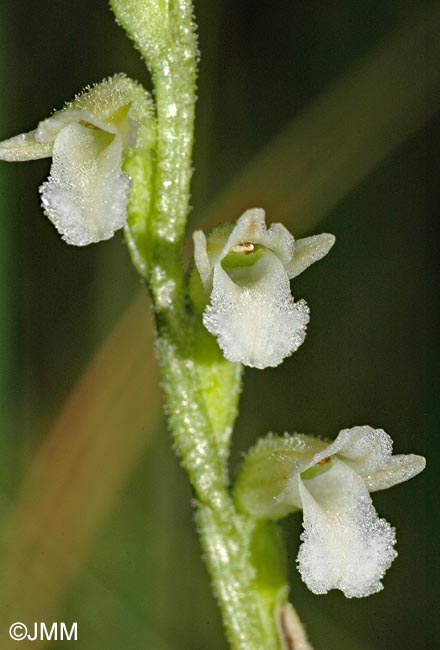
345	545
257	325
86	193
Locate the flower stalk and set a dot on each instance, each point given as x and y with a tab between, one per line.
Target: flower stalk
201	387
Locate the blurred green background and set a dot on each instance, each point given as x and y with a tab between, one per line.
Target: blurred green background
360	156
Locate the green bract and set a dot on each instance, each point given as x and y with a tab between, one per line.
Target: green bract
146	22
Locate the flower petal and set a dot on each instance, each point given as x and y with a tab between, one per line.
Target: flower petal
363	448
24	147
39	143
201	259
397	470
47	130
86	193
254	317
251	227
345	545
308	251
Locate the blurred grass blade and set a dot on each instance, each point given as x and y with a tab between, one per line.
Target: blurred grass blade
82	464
6	282
335	143
298	178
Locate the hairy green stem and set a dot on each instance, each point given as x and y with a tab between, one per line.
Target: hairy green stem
201	387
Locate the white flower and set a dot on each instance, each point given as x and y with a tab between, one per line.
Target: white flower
86	193
345	545
246	272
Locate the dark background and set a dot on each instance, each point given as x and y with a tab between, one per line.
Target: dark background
370	354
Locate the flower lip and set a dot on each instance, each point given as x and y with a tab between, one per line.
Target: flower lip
252	315
345	545
85	172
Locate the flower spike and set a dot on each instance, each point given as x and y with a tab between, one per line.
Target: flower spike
246	270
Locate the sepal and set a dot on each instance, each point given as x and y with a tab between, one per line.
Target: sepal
268	473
